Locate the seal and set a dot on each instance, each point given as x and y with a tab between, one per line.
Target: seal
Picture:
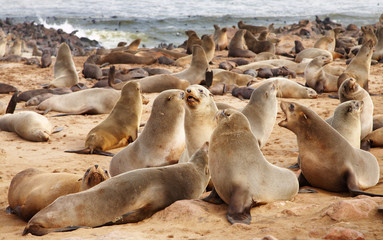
346	120
7	88
359	67
16	47
119	57
325	42
200	109
207	45
32	190
298	68
65	74
237	46
120	127
3	46
220	38
373	139
261	111
107	204
258	46
378	53
287	88
351	90
192	39
228	77
36	100
317	78
28	125
161	142
312	53
241	174
198	67
251	28
377	121
324	166
88	101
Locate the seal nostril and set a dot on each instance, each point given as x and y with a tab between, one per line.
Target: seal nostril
188	90
96	166
182	94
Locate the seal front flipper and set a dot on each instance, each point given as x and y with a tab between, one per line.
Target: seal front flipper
213	197
239	206
303	181
354	188
12	103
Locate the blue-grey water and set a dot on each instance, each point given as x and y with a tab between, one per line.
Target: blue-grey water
165	21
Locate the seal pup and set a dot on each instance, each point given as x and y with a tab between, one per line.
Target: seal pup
200	109
332	164
65	74
32	190
242	176
120	127
161	142
107	203
198	67
28	125
220	38
373	139
317	78
359	67
351	90
346	120
261	111
88	101
312	53
237	46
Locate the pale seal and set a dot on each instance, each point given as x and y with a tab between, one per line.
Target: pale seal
65	74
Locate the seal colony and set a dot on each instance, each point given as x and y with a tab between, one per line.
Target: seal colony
277	187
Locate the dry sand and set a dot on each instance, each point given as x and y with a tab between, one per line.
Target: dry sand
304	217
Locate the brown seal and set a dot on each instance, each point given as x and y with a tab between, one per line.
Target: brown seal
251	28
28	125
242	176
46	58
3	46
378	53
200	109
220	38
207	45
258	46
88	101
120	57
32	190
261	111
121	126
237	46
317	78
192	39
107	204
7	88
351	90
359	67
332	164
198	67
65	73
162	140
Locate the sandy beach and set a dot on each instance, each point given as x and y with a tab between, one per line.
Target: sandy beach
307	216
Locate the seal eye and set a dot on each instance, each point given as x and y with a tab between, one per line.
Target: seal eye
106	172
291	107
170	98
200	90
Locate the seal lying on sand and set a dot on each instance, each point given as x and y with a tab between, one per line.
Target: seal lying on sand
108	203
32	190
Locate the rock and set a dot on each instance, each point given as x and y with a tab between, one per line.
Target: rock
339	233
351	209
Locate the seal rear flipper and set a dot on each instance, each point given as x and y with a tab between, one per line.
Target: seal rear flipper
354	188
294	166
213	197
303	181
12	103
89	151
57	129
208	78
133	216
239	206
36	230
333	96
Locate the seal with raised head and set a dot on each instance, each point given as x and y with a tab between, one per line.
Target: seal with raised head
107	203
208	47
241	175
65	74
317	78
32	190
198	67
325	166
28	125
120	127
258	46
346	120
200	109
192	39
359	67
261	111
378	53
351	90
220	38
161	142
237	46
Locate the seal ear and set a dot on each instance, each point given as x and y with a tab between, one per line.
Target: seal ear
79	180
302	114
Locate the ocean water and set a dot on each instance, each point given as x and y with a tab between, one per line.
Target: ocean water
165	21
